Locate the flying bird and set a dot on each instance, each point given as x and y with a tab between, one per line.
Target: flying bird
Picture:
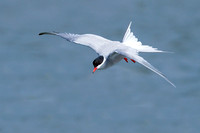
111	52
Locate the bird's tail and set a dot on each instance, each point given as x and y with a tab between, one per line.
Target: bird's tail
131	41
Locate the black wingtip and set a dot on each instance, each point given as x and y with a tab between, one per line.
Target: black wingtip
42	33
48	33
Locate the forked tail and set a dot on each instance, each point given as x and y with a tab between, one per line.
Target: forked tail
131	41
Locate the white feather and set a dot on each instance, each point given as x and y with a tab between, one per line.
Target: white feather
132	54
97	43
131	41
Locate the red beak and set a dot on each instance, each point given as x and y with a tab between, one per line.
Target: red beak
94	69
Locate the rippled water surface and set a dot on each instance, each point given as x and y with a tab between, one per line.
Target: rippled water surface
46	84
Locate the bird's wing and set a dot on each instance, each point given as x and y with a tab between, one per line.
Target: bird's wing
93	41
130	40
132	54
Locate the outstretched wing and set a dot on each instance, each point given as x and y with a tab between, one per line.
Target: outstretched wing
93	41
131	41
132	54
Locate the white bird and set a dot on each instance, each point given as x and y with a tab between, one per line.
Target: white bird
111	52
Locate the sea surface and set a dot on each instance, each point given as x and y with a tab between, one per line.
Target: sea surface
47	85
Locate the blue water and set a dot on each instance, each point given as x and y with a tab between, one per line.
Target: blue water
46	84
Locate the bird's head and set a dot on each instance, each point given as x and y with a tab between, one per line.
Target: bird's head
98	62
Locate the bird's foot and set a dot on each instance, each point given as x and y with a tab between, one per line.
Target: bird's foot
126	60
133	60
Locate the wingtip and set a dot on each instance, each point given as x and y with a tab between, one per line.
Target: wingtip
48	33
174	86
171	83
42	33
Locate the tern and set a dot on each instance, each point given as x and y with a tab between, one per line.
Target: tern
111	52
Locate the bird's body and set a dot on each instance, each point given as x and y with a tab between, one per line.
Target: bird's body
111	52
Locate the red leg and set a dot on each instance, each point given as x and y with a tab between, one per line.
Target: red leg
133	60
126	60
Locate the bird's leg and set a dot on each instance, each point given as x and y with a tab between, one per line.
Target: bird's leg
126	59
133	60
